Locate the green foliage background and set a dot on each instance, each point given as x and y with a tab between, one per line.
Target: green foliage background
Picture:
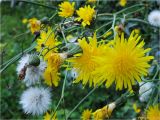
12	44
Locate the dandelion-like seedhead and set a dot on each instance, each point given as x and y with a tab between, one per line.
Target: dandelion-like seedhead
31	74
154	18
35	100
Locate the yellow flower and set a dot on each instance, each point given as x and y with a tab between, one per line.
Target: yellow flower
84	63
122	2
35	25
91	1
47	41
136	109
51	74
104	112
48	117
67	9
153	112
85	14
86	115
124	63
24	20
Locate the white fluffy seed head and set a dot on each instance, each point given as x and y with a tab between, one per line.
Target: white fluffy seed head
35	100
144	96
32	73
22	62
154	18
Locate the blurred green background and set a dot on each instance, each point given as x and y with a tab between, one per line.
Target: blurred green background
13	43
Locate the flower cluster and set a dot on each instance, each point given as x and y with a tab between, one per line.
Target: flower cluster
107	63
121	62
67	10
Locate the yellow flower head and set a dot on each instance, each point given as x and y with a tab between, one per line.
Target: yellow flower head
47	41
24	20
67	9
35	25
85	14
48	117
51	74
153	112
122	2
86	115
104	112
124	63
91	1
84	63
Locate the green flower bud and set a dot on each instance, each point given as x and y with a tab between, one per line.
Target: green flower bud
34	60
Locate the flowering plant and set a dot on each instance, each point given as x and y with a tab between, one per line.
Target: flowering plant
91	48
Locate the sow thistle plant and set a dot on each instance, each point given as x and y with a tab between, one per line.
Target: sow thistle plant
116	58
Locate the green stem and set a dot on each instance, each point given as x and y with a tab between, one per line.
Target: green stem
62	96
63	34
17	57
156	72
137	20
105	14
137	5
38	4
114	20
104	33
103	26
150	80
53	16
27	32
122	98
134	11
81	102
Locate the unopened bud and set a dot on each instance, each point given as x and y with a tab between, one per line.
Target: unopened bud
34	60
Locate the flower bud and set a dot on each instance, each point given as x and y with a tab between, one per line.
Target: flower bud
34	60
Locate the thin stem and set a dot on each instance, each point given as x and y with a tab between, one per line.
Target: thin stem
137	20
64	107
81	102
150	80
134	11
27	32
114	19
62	95
156	72
53	16
17	57
38	4
63	34
104	33
103	26
128	8
105	14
